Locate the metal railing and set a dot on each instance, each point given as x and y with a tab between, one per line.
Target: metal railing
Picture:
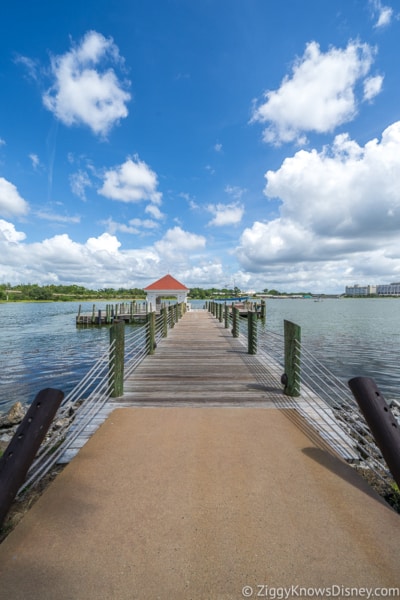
324	400
91	394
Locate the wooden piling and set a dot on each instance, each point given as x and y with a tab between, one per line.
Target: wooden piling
252	332
292	334
116	360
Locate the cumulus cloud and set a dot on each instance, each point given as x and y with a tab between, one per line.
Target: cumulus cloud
11	203
318	96
133	181
337	205
85	91
100	261
226	214
9	234
177	241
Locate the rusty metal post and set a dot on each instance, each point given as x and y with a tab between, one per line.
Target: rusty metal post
22	449
380	420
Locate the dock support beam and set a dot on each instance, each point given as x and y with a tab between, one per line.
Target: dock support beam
117	345
226	316
380	420
291	377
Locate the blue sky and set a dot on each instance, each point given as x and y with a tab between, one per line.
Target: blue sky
253	143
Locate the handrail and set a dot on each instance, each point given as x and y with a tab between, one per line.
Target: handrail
89	396
324	400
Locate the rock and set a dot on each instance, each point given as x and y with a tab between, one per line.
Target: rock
13	417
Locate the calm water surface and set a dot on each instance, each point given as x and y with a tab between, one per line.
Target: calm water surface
40	345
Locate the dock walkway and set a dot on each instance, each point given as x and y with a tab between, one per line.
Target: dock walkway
220	502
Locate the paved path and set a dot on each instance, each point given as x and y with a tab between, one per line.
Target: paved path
187	503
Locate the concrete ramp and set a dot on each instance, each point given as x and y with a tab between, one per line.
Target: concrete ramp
202	504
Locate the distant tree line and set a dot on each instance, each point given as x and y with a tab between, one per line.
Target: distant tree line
35	292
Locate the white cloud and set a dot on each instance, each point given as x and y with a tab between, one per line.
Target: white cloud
79	182
29	64
133	181
226	214
154	211
372	87
11	203
9	234
176	242
235	191
383	14
319	95
100	261
104	243
48	216
84	91
218	147
35	160
338	207
134	226
2	142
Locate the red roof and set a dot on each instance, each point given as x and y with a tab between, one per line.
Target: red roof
166	283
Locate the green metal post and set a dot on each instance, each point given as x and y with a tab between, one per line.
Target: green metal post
263	310
151	332
226	316
164	315
235	316
291	378
176	310
171	316
116	364
220	312
252	332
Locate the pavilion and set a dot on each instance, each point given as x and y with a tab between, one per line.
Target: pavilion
166	287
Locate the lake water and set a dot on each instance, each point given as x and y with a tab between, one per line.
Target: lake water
40	345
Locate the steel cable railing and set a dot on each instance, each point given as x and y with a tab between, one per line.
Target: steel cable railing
73	410
89	396
329	404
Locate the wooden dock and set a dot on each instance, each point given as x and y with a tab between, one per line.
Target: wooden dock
200	364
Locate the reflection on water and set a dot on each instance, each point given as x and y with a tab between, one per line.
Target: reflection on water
41	346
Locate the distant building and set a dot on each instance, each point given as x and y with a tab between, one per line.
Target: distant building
360	290
390	289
